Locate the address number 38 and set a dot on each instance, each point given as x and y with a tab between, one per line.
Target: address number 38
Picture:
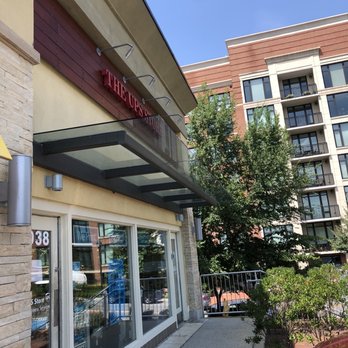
40	238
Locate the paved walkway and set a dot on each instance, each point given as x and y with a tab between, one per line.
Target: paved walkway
213	332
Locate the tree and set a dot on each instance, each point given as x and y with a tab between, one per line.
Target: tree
340	240
252	180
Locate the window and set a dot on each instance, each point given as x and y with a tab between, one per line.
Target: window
102	284
320	232
314	172
220	98
295	87
338	104
153	277
316	205
343	160
260	111
300	115
257	89
276	233
341	134
335	74
346	193
305	144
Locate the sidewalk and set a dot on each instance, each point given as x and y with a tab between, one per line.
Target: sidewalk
212	332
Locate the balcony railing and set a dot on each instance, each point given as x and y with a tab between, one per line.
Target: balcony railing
310	150
300	121
299	91
320	212
320	180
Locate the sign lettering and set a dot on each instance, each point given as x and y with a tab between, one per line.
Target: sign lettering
117	88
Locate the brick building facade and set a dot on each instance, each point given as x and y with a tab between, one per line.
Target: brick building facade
299	72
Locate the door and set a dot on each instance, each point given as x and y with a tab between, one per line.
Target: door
176	273
44	282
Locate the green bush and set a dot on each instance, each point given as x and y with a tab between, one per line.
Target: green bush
308	307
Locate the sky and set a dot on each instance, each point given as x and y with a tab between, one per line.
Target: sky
196	30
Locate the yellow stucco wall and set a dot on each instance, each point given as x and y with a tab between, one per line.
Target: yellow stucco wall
19	16
81	194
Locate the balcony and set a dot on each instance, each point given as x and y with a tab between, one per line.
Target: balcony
320	212
304	121
300	91
320	180
310	150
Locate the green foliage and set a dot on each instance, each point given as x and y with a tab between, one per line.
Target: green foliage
340	240
252	181
308	307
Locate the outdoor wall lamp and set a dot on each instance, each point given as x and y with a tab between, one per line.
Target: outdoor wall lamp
17	191
152	81
179	217
167	98
198	228
128	53
54	182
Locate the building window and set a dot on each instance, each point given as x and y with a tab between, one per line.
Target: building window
305	144
320	232
295	87
312	170
338	104
335	74
341	134
300	115
316	205
343	160
221	97
102	291
261	112
257	89
153	277
346	193
277	233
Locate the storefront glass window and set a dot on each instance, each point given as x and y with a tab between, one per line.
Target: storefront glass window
103	298
40	287
153	277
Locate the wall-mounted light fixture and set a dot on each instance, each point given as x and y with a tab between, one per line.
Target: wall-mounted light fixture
198	228
17	191
152	81
179	217
128	53
164	97
54	182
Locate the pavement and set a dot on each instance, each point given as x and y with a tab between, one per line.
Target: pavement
229	332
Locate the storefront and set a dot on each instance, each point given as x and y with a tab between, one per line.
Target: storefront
112	227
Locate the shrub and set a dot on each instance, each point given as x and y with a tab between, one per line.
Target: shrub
308	307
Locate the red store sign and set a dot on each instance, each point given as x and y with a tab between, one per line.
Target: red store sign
117	88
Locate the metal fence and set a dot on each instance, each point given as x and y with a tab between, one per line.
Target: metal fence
225	293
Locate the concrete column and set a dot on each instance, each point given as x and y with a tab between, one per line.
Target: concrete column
193	280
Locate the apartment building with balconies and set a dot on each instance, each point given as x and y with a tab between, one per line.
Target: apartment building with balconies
299	72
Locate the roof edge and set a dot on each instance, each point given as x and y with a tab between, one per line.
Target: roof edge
205	64
287	30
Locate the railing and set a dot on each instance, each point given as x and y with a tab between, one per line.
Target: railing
310	150
225	293
300	121
320	212
320	180
295	92
103	310
153	293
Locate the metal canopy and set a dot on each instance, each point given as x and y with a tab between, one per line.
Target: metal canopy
118	156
